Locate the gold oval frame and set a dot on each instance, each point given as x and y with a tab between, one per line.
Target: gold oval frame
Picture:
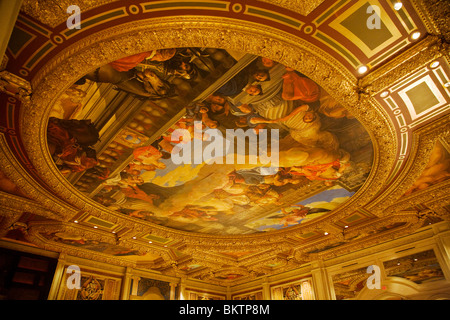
98	49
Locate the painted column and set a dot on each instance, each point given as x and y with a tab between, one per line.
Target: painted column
134	289
125	295
442	236
57	278
320	281
266	289
182	289
173	287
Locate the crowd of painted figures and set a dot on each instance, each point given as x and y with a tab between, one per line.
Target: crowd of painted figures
261	94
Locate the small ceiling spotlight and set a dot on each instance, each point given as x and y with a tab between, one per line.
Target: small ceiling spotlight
398	5
150	242
362	69
434	64
95	227
345	227
325	233
76	221
447	84
415	35
384	94
134	237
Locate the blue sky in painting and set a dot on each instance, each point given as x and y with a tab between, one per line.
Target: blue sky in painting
327	195
324	196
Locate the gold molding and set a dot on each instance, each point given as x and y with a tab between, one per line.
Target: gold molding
304	7
430	48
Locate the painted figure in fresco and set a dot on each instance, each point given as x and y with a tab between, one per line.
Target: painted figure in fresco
301	109
326	172
199	112
123	74
189	64
192	213
267	63
7	185
283	177
253	90
331	108
297	214
242	80
437	169
152	83
149	155
248	186
142	214
70	141
130	62
296	87
255	98
69	104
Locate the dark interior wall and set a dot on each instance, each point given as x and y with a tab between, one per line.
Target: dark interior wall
25	276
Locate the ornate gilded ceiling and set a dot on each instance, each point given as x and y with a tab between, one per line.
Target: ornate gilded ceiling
382	135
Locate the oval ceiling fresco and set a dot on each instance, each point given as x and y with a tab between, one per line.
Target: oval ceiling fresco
209	141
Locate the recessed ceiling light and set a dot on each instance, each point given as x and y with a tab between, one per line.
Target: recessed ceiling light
134	237
384	94
150	242
398	5
447	84
434	64
325	233
362	69
95	227
76	221
346	227
113	232
415	35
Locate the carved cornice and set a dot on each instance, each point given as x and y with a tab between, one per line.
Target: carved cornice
424	141
36	229
13	170
19	205
7	220
434	196
15	86
427	50
359	238
300	6
53	13
434	13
